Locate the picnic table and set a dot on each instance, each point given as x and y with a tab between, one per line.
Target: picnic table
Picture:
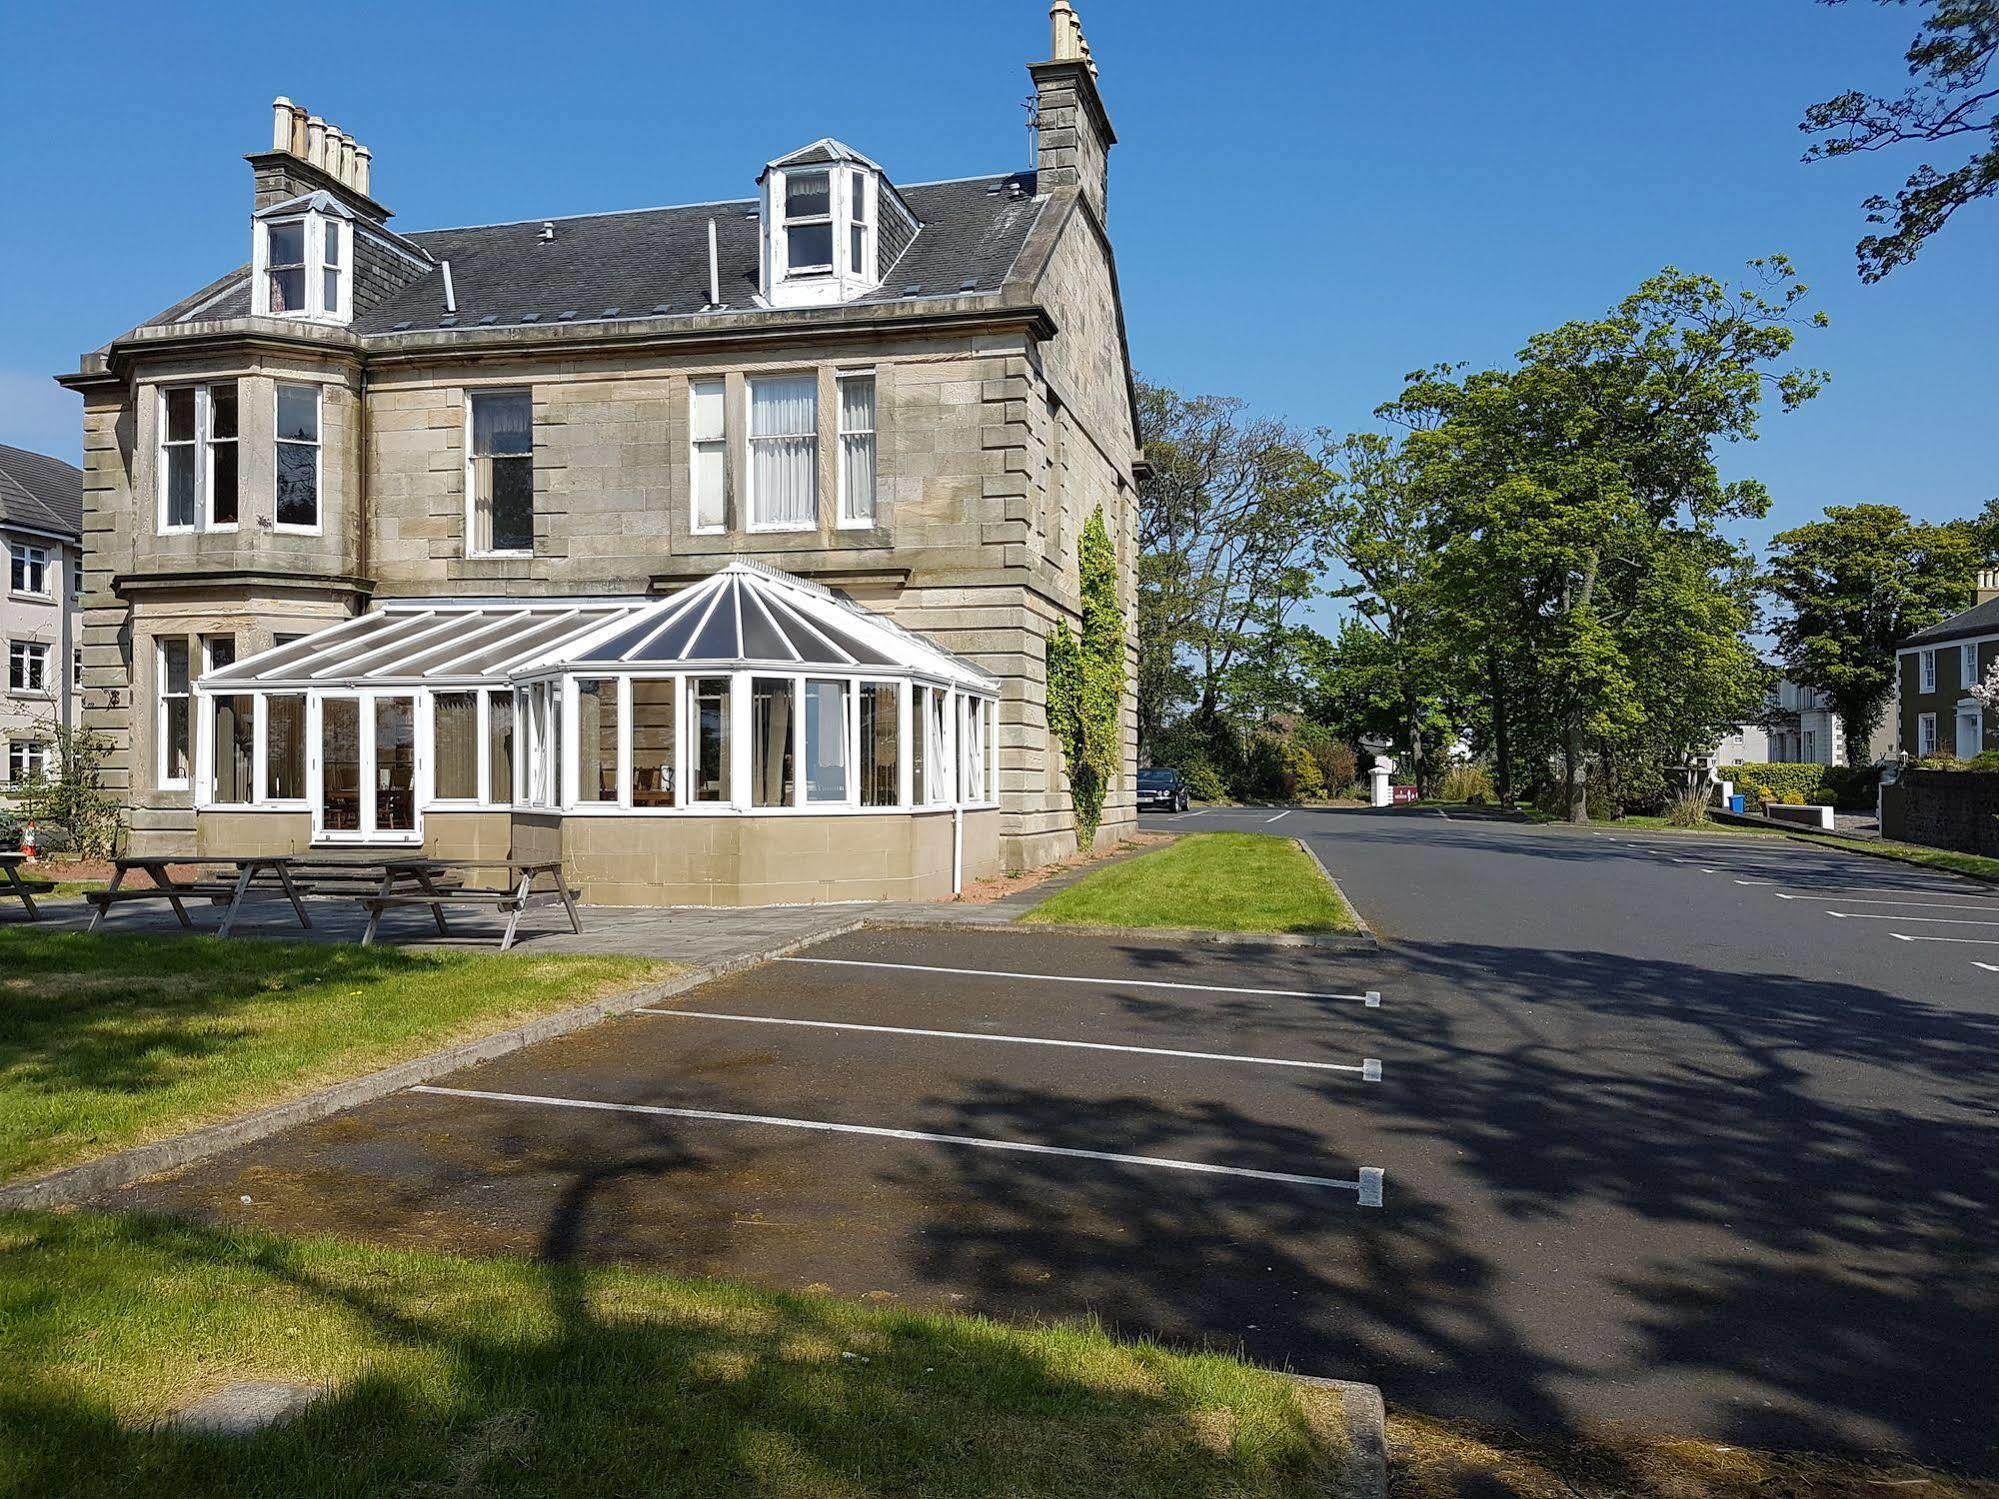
164	886
22	890
517	896
290	875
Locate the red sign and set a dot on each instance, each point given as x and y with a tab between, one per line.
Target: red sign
1402	794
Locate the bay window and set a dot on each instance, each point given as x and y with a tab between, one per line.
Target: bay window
197	458
784	453
298	458
304	265
708	457
808	223
857	450
500	473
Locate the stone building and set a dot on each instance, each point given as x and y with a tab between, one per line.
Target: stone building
902	399
40	521
1935	670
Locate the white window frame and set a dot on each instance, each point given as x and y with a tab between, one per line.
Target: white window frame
472	458
161	697
716	447
847	520
26	758
1967	665
369	831
30	561
1926	667
320	229
831	218
318	446
1926	734
23	651
750	440
863	206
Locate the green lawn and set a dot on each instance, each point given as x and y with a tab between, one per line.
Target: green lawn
1222	882
108	1041
1976	865
1641	823
458	1377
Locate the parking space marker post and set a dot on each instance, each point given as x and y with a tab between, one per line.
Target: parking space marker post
1370	1069
1373	998
1370	1186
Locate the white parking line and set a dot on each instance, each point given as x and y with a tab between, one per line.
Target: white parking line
1941	905
1279	817
1988	967
1367	1186
1911	920
1372	998
1368	1067
1965	941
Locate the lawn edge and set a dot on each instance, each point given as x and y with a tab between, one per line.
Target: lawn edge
70	1185
1361	928
1366	1423
1893	855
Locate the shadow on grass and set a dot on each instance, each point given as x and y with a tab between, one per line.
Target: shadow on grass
506	1377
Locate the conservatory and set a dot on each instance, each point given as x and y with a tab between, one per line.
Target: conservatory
752	739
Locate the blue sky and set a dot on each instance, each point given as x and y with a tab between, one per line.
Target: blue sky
1310	199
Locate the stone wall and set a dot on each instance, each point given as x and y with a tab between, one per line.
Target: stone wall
1954	809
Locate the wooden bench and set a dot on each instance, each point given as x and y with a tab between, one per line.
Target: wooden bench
23	890
517	897
164	887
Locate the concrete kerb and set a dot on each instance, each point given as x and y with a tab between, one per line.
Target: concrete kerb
73	1184
1366	1433
1362	941
1352	909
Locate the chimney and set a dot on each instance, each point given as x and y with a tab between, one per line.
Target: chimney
1073	135
308	155
1988	586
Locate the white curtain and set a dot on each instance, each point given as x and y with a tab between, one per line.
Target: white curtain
857	447
784	451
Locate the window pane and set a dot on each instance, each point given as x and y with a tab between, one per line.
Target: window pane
880	772
288	291
857	403
220	652
857	476
180	486
597	741
234	745
222	483
395	764
826	741
787	407
180	416
287	244
298	484
174	655
298	413
456	747
705	410
284	747
652	742
919	750
503	424
331	249
512	513
329	291
500	746
857	250
771	744
711	503
340	763
222	410
811	246
807	195
711	746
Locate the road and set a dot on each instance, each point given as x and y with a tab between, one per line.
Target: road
1700	1133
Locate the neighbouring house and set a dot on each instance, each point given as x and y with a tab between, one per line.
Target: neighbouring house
1936	670
716	548
41	526
1799	726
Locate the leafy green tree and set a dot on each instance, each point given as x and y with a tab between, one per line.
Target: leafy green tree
1952	101
1852	588
1584	504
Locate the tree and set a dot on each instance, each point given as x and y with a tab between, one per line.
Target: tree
1584	501
1853	587
1231	538
1949	101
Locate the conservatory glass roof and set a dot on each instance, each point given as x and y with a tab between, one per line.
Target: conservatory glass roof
746	615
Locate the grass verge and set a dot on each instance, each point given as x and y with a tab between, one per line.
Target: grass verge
1432	1459
110	1041
446	1376
1640	823
1977	866
1220	882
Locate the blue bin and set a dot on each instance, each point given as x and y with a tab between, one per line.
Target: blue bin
1737	803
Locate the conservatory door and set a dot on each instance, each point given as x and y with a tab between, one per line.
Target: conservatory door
364	776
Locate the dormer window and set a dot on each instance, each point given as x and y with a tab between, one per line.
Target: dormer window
824	212
304	260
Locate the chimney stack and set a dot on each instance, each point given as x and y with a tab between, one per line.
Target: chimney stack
1988	585
1073	135
308	155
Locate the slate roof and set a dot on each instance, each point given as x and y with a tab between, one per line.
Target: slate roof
40	492
1979	619
633	264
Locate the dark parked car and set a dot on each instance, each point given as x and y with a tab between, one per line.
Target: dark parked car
1161	790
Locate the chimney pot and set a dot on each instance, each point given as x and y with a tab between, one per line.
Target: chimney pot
281	123
1988	585
363	160
346	172
315	141
1067	32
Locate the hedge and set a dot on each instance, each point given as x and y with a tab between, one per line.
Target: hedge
1849	786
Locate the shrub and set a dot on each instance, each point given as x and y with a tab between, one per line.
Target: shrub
1822	799
1985	760
1465	783
1338	766
1688	810
1791	798
1204	782
1941	762
1298	773
10	830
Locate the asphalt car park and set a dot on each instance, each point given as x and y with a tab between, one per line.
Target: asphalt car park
1173	1137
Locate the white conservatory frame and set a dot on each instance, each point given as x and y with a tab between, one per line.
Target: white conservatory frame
747	623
